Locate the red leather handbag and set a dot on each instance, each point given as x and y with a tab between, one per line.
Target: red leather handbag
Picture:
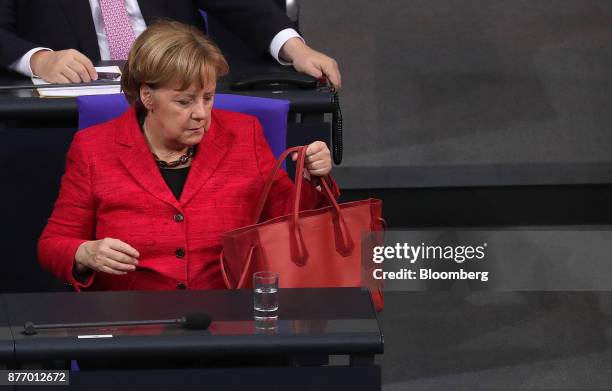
310	248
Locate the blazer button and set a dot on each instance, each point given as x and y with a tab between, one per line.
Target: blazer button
180	253
179	217
181	286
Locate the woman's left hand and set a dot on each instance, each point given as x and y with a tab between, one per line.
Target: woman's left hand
318	159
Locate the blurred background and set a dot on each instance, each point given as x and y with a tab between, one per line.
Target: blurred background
467	87
490	114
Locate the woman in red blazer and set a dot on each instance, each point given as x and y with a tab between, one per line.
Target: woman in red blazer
146	196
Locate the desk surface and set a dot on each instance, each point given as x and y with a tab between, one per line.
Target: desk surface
327	321
21	103
13	106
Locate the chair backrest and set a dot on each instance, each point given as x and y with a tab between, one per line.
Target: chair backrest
272	113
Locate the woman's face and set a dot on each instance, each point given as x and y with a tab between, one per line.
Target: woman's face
178	118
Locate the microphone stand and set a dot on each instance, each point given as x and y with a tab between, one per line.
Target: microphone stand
30	328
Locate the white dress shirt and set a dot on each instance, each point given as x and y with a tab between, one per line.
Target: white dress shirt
22	65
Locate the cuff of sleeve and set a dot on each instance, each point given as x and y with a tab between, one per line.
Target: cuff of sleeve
83	279
69	275
279	40
22	65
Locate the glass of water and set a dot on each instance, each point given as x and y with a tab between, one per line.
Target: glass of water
265	298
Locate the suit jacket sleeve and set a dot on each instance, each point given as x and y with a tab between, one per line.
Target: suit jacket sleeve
256	22
280	200
12	46
72	221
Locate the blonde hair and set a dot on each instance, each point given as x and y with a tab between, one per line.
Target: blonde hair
168	53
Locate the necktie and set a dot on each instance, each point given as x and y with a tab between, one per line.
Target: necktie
118	28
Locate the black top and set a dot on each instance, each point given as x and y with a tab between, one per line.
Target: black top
175	179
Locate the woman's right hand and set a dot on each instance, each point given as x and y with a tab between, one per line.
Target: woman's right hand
106	255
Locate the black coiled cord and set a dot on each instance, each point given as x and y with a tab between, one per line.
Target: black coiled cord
336	129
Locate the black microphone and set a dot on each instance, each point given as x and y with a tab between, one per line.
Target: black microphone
195	321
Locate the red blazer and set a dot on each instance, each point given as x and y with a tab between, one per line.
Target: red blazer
112	187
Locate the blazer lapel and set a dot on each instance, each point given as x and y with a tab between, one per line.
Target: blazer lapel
209	155
138	160
78	13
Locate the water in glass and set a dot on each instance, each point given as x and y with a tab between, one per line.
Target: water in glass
265	302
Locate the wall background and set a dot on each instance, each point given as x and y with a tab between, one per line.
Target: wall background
446	84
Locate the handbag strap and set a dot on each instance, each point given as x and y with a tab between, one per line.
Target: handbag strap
269	182
243	273
343	240
224	274
299	168
299	253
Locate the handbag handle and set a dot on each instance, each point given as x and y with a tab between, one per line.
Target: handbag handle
243	274
224	274
343	240
299	253
268	184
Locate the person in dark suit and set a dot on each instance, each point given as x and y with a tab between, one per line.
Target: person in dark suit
76	32
146	196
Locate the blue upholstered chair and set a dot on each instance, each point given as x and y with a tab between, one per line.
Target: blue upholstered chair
272	113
